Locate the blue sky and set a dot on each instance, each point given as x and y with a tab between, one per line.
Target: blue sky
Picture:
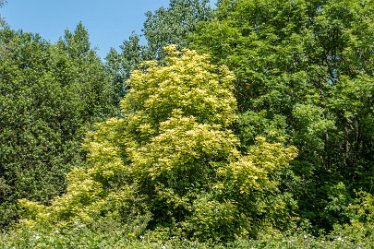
109	22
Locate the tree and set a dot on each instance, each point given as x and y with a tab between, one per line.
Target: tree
299	66
174	24
2	21
173	156
48	99
82	66
121	64
165	26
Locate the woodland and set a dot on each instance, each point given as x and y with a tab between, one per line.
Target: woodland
246	125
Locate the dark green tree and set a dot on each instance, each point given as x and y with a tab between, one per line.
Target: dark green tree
49	94
304	75
121	64
83	67
2	21
172	25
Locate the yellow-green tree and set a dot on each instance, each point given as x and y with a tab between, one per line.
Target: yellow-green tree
172	155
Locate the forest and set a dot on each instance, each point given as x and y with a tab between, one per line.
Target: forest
245	125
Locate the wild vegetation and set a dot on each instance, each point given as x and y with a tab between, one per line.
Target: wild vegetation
50	94
247	126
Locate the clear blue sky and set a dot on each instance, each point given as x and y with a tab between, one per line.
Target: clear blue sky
109	22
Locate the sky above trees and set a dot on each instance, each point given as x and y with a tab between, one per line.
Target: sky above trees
108	22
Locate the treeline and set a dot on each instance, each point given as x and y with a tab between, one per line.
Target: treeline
257	123
50	94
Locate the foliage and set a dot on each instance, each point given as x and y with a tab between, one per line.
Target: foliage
113	235
174	157
173	25
162	27
2	21
304	76
120	65
49	96
179	167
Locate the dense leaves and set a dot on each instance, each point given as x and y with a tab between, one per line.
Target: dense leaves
173	25
262	138
49	94
162	27
120	64
173	155
304	74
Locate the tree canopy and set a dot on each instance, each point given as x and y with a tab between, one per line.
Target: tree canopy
255	129
302	68
49	96
173	155
164	26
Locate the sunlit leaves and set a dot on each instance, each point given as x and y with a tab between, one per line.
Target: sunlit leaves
173	155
